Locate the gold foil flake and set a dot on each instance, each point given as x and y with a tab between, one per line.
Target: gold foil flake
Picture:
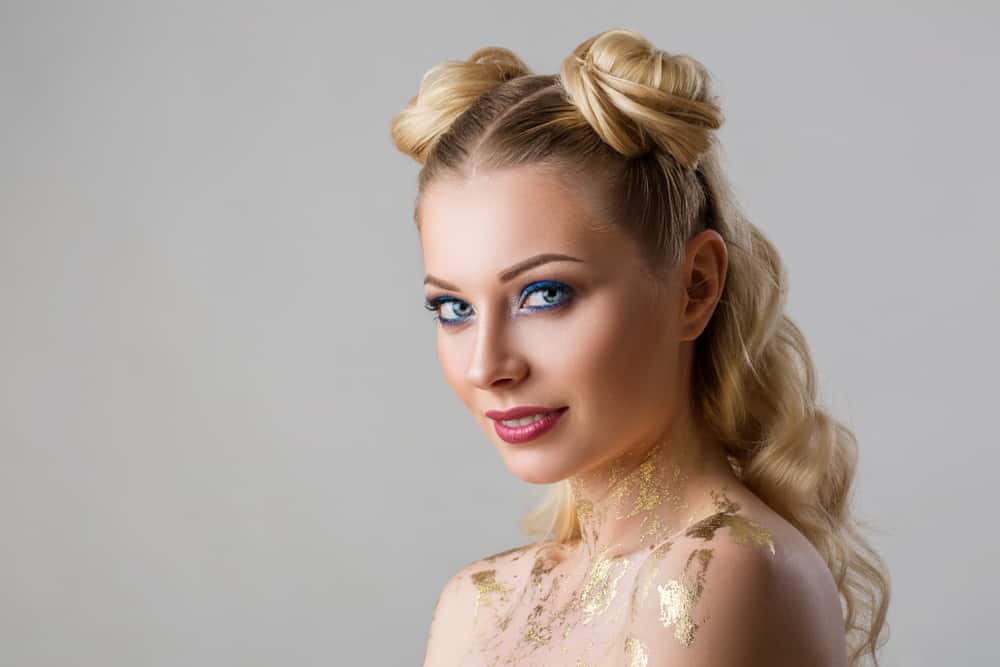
640	588
617	472
679	598
660	552
746	532
647	494
705	529
601	585
537	633
541	567
723	503
636	654
585	513
541	626
576	489
631	491
485	581
743	531
619	483
677	602
647	488
676	482
655	531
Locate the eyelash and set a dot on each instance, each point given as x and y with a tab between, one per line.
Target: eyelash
434	305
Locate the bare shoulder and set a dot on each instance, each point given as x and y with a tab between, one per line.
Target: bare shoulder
499	572
479	583
739	587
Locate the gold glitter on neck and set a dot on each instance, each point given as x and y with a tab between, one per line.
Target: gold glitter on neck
639	492
645	486
655	531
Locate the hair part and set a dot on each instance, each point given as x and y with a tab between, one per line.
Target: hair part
640	123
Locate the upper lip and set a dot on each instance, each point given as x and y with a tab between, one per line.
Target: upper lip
519	411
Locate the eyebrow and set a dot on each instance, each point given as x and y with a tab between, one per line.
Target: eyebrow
514	271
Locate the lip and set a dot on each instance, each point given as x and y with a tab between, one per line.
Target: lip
518	412
518	434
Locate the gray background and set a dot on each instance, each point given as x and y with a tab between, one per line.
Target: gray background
224	435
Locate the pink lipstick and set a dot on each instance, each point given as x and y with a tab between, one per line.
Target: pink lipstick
525	432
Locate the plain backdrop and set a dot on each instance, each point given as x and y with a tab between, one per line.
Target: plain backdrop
225	438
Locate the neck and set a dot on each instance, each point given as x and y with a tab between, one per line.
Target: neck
651	492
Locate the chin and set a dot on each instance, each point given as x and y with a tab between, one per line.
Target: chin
536	467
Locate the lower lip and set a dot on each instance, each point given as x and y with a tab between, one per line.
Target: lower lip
516	434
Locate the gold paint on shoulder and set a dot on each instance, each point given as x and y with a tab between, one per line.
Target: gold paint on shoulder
705	529
487	584
748	533
601	584
636	653
724	503
742	530
537	632
542	567
640	588
679	598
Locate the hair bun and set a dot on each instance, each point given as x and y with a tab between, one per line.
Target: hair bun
638	97
446	91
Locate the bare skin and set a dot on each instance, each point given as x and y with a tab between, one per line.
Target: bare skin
678	562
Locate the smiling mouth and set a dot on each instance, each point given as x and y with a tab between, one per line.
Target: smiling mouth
527	428
524	421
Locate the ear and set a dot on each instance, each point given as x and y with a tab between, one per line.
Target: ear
703	276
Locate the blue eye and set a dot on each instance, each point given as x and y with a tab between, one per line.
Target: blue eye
547	290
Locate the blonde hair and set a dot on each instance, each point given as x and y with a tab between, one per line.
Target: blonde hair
643	121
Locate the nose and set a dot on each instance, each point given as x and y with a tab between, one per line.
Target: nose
495	358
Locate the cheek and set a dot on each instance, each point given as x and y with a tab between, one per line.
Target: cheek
620	359
452	365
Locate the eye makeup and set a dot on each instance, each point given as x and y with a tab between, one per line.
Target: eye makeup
543	288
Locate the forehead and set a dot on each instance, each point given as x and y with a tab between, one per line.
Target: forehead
493	218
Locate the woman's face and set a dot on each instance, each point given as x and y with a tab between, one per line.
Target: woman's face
592	335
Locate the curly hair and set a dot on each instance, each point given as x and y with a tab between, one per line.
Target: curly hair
642	121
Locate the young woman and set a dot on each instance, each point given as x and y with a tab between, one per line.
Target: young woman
616	326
